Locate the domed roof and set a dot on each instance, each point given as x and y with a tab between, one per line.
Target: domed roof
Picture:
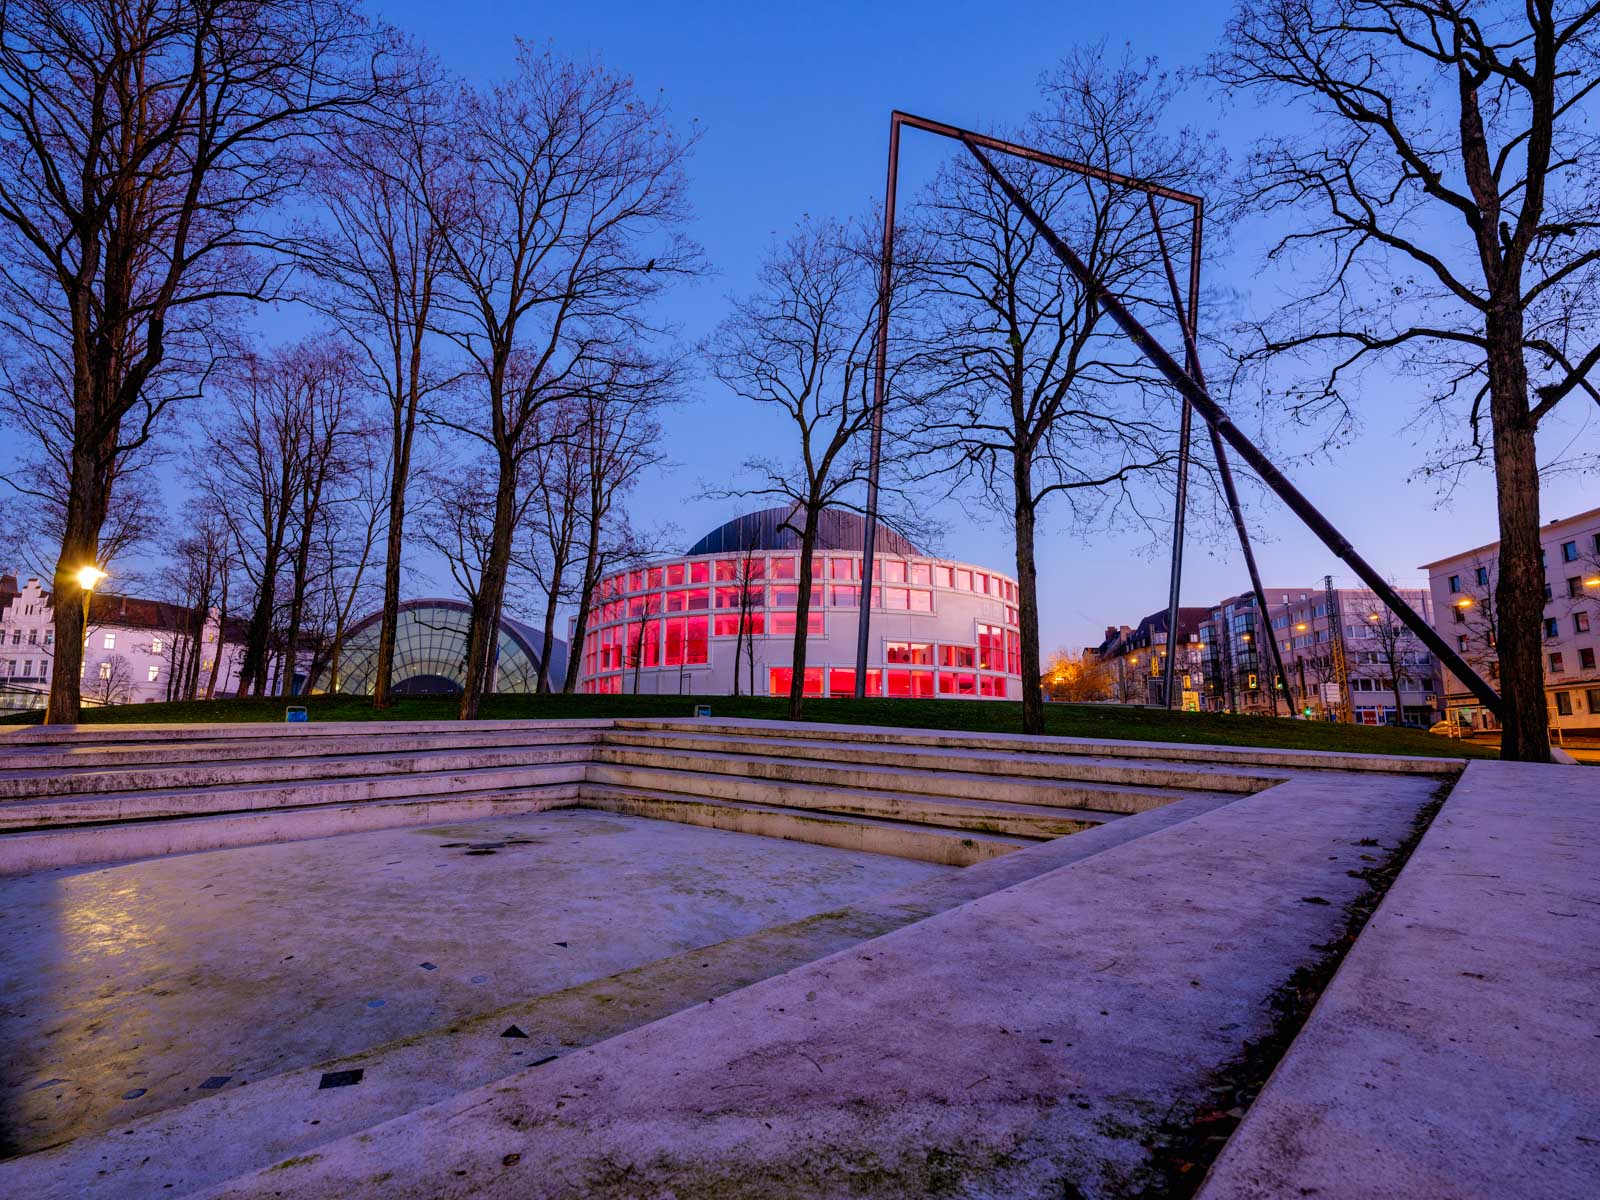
767	530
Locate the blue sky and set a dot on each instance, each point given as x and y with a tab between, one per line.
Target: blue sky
793	105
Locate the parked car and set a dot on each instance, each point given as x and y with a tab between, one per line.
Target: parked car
1445	729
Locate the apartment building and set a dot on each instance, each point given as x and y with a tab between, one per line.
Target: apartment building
1463	591
137	651
1390	676
1137	655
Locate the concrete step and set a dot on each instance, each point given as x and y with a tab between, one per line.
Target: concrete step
953	848
984	816
1098	769
1100	797
107	779
91	755
1254	757
19	736
47	849
184	802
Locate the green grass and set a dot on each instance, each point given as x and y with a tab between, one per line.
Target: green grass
1067	720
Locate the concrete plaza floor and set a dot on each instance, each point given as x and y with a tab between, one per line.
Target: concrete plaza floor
136	987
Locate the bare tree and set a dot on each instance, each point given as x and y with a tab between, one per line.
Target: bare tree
559	489
572	191
346	546
112	683
379	251
1396	655
1440	188
801	344
1077	679
1036	398
270	449
140	144
750	583
196	580
621	441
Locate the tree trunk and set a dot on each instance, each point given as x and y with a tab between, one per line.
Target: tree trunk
1027	595
88	494
802	615
580	628
389	626
547	644
491	589
1526	734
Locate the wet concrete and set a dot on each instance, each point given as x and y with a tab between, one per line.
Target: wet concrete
130	988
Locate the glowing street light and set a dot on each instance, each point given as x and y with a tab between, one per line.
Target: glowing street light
89	578
1301	627
1464	602
1593	582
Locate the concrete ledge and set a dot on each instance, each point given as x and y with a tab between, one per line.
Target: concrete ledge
1318	760
1456	1054
1024	1044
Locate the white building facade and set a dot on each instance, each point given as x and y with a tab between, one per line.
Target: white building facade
685	625
1466	614
133	650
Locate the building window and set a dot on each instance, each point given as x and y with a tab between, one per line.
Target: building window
962	683
1483	576
779	680
1461	615
154	674
958	656
1552	627
155	647
33	637
1461	643
1580	622
1586	658
1556	664
1548	594
1569	551
842	682
111	642
1455	583
909	653
1564	704
908	683
1574	586
1592	697
105	670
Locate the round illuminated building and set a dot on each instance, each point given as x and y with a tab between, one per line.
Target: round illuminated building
939	628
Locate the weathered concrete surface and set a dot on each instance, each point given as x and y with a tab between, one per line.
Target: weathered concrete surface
1020	1045
286	1116
161	974
1456	1053
1169	752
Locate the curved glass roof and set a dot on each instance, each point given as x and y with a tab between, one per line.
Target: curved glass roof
766	530
431	652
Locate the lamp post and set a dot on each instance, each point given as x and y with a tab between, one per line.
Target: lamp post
88	579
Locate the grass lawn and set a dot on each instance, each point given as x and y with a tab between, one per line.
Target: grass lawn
1067	720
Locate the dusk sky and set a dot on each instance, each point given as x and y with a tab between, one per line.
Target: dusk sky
793	103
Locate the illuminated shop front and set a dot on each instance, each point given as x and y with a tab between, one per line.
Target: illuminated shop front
684	625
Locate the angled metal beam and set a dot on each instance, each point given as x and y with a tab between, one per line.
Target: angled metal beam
1214	416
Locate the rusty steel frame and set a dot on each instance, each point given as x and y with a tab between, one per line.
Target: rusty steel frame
1151	191
1189	383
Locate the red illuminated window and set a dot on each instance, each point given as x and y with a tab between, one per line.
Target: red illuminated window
954	683
675	574
963	579
991	685
844	568
911	653
689	600
687	642
896	599
781	568
782	624
894	570
699	572
842	682
958	656
780	678
728	625
908	683
944	577
991	648
921	601
844	597
921	573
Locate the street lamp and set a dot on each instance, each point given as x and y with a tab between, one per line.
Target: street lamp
89	578
1593	582
1464	602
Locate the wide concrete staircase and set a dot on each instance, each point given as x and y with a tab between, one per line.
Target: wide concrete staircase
100	793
